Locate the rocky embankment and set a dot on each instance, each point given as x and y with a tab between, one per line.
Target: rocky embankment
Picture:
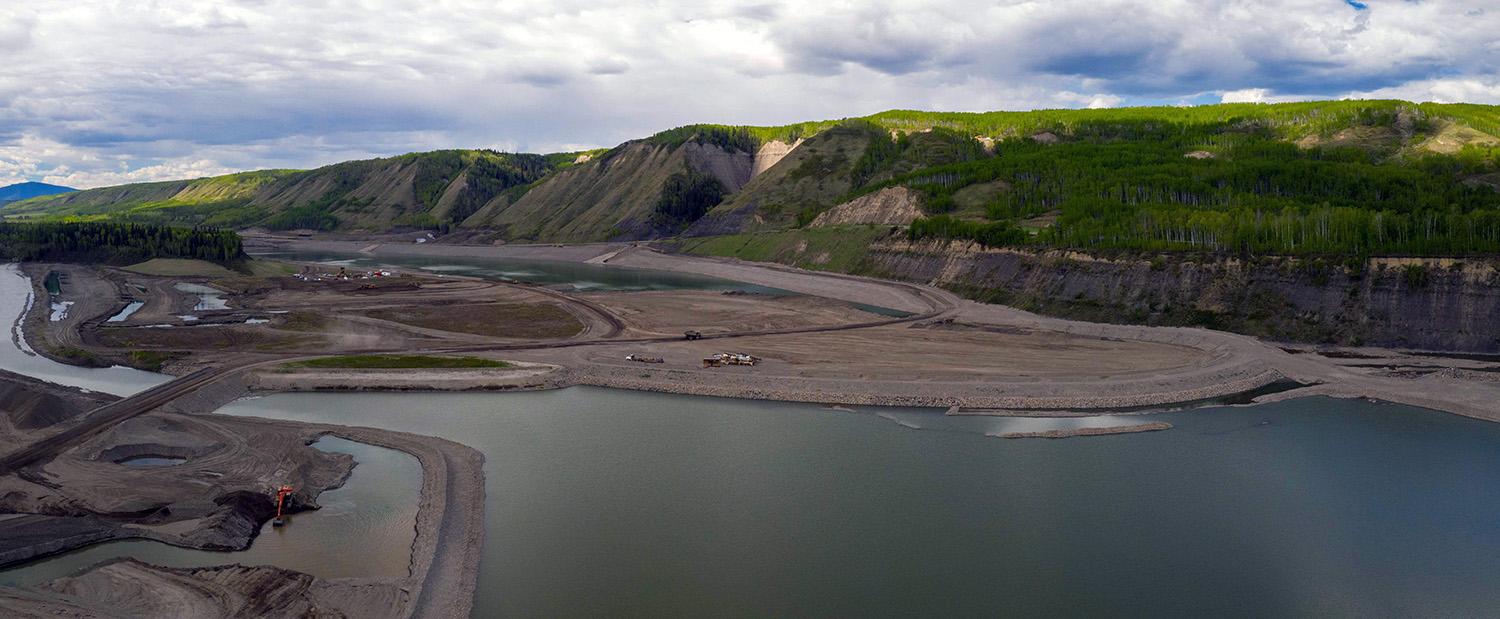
1431	304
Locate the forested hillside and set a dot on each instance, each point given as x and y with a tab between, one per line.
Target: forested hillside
1331	177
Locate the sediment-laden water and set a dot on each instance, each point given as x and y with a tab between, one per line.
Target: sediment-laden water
364	529
608	503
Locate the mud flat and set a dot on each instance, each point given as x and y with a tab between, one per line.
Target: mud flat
672	312
1155	426
528	376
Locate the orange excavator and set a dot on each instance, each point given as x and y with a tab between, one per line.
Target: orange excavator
281	494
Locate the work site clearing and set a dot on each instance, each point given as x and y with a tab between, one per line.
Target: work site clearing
286	326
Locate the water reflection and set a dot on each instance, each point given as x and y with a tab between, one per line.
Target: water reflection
15	356
364	529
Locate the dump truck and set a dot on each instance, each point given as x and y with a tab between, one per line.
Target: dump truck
692	335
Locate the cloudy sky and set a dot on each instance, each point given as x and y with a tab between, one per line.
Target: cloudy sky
96	92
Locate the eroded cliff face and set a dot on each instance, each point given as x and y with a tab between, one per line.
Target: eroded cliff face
1436	304
892	206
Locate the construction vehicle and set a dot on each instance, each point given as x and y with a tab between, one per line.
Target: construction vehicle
730	358
643	359
692	335
281	494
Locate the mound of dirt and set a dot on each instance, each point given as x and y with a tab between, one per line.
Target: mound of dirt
894	206
30	404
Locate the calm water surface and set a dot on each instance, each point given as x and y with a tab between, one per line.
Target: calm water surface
15	297
364	528
619	503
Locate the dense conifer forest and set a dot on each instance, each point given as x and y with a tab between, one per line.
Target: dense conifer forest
116	243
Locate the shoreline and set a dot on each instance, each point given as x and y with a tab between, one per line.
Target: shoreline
444	564
1155	426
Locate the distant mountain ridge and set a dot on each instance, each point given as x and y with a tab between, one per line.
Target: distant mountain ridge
26	190
1307	176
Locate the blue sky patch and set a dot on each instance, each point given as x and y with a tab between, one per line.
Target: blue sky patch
1358	6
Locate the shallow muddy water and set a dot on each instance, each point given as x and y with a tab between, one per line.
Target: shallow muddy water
209	298
364	529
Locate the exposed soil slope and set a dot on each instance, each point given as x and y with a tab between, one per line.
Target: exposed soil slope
612	196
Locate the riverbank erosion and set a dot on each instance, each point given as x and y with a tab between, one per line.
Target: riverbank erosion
215	495
1416	303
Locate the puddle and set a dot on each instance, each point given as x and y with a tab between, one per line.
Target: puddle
208	298
150	462
125	313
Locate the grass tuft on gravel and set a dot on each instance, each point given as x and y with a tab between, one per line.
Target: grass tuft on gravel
383	362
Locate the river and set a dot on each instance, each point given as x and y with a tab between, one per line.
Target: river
608	503
15	296
605	502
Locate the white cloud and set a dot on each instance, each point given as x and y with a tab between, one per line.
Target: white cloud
99	91
1463	90
1262	95
1245	95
